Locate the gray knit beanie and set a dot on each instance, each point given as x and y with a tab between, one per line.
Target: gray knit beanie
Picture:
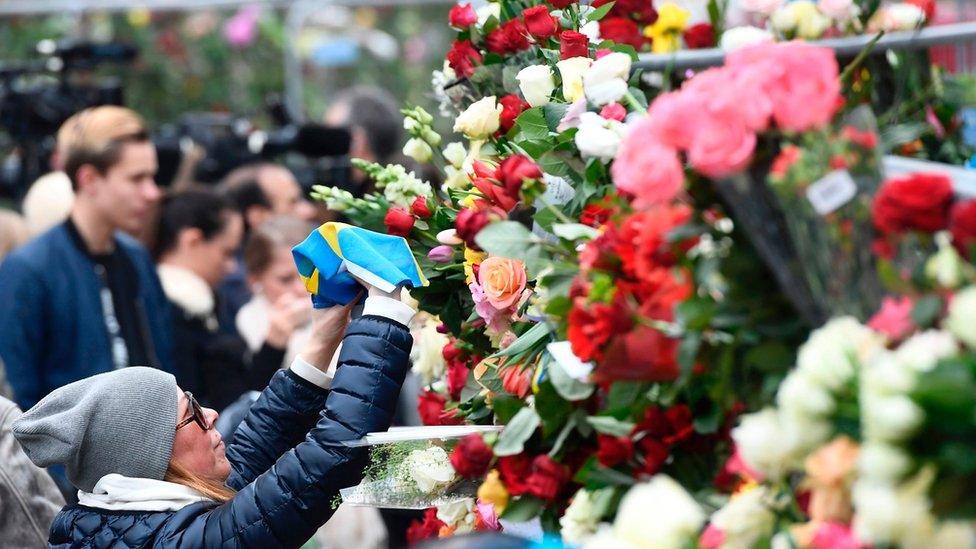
119	422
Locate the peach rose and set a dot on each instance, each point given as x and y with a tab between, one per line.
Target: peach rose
502	280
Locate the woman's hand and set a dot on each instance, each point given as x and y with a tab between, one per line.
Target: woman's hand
374	291
328	329
287	313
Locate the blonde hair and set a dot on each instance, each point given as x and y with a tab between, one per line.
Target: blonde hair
95	136
215	490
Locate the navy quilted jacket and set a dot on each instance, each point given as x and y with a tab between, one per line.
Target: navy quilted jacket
286	485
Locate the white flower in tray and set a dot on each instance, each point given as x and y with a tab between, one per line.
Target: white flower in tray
458	514
430	469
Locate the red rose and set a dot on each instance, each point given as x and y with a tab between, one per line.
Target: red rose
462	57
614	450
469	223
644	242
641	354
915	202
514	170
471	457
928	6
590	327
457	377
539	22
962	225
655	455
420	209
398	221
700	36
561	4
451	352
682	424
547	478
430	406
426	528
614	111
621	31
511	37
495	194
573	44
513	470
512	107
598	213
462	16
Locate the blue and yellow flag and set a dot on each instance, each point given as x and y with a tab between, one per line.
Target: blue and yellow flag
334	252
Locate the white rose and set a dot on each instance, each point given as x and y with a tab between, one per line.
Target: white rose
882	463
961	321
491	9
592	31
759	440
946	268
430	468
418	149
480	119
606	538
580	520
762	7
922	351
811	24
677	517
455	179
784	20
799	395
455	153
456	512
598	137
426	355
889	418
741	37
833	352
606	81
838	10
536	83
746	518
571	72
897	17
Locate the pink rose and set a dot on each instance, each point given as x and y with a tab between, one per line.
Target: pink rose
722	148
894	319
733	93
503	281
649	171
672	120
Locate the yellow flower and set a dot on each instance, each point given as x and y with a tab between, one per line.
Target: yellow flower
471	258
493	491
672	20
139	17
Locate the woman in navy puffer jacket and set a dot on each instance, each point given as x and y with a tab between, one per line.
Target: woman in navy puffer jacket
278	480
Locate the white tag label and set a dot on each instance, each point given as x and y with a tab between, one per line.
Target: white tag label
833	191
562	352
558	191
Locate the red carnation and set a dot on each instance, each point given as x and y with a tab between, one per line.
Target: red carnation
398	221
614	450
514	170
573	44
915	202
419	208
457	377
655	455
539	22
512	107
462	57
471	457
621	31
596	214
591	327
430	406
682	424
561	4
700	36
547	478
513	471
511	37
462	16
962	225
426	528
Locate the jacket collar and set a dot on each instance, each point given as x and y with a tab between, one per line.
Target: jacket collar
187	290
116	492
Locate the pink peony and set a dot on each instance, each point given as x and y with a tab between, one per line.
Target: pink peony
672	120
894	319
722	148
651	172
831	535
732	93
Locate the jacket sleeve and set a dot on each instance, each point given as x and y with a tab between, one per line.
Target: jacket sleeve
285	505
21	329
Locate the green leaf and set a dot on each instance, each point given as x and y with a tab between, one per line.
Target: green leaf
523	509
554	113
552	409
511	239
520	429
574	231
687	352
610	426
526	341
576	419
532	124
600	12
506	406
568	387
695	314
592	474
623	394
926	310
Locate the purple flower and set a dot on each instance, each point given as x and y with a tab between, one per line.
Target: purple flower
441	254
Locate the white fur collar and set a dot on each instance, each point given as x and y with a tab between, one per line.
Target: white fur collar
186	289
121	493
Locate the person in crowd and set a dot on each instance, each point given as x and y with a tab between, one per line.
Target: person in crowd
199	233
374	121
260	192
152	471
84	298
29	499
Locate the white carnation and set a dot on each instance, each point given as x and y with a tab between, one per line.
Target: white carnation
961	321
536	84
430	468
677	517
775	443
606	81
598	137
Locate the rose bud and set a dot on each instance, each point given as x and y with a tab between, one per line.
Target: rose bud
398	221
420	209
441	254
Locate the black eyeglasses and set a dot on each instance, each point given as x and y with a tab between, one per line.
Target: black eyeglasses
196	412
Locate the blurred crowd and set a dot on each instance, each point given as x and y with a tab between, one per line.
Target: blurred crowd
100	269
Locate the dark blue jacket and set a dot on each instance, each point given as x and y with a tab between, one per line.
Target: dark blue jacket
52	328
285	492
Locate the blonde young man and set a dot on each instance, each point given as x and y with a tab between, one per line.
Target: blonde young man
83	298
